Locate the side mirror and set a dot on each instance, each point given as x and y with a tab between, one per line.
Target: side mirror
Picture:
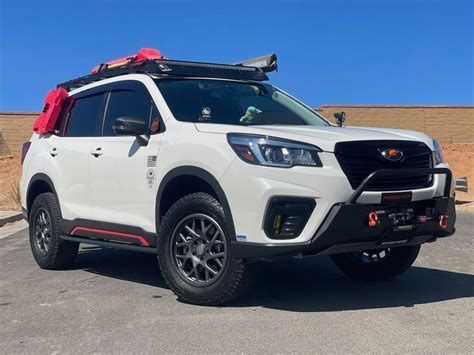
132	126
340	118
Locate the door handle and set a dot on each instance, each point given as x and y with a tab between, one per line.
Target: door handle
97	152
53	152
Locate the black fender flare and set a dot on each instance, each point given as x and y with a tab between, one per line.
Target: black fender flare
203	175
35	178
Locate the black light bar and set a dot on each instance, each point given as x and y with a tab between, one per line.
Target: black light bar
267	63
164	67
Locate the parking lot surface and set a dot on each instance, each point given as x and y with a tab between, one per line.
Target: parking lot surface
117	302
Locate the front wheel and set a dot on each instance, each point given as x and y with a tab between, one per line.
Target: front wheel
379	264
193	252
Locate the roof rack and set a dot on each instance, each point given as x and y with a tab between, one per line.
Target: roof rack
170	68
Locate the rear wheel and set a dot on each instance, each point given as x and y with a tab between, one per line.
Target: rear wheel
379	264
193	252
49	251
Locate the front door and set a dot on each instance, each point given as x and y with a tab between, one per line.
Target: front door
122	173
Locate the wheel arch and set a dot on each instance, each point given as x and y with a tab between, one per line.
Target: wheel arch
39	183
200	180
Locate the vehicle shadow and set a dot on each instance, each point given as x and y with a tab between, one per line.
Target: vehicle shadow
309	285
121	264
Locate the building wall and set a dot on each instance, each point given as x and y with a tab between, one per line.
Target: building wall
448	124
15	129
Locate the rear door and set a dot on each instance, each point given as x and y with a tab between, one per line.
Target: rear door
67	158
122	173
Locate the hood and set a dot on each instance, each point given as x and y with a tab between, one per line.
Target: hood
323	137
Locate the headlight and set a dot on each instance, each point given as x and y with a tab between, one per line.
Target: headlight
261	150
437	153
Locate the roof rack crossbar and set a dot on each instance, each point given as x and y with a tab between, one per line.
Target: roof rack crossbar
165	67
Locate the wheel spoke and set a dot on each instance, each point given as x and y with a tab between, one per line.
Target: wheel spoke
218	262
207	267
192	232
205	229
216	255
214	237
184	242
183	238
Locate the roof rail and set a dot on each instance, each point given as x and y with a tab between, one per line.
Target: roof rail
170	68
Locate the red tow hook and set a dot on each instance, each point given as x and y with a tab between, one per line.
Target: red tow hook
373	219
443	221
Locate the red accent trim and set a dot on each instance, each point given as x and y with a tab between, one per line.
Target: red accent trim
102	231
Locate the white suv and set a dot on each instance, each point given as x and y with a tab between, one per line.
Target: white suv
212	169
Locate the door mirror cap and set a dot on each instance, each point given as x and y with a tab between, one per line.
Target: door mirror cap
132	126
340	118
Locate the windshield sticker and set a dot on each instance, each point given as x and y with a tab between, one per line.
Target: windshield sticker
205	114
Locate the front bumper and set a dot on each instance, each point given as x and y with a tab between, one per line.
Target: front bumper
346	227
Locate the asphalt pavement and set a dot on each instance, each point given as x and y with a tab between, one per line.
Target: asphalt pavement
117	302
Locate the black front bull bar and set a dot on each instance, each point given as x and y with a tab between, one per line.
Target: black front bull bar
346	229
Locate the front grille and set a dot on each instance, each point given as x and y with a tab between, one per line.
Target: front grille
360	158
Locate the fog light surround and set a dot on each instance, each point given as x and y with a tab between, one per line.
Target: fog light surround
286	217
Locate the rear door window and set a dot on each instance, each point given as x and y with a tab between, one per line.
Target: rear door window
85	116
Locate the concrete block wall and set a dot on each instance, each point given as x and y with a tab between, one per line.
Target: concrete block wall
448	124
15	129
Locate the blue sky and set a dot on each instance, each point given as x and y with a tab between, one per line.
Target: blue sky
330	52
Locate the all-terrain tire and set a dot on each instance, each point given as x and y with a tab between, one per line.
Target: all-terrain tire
396	261
234	277
58	254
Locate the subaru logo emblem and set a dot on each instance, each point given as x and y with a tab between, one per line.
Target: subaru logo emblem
392	154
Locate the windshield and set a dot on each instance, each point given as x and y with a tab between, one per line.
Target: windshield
235	103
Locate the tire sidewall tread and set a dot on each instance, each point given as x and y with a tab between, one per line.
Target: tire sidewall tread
61	253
